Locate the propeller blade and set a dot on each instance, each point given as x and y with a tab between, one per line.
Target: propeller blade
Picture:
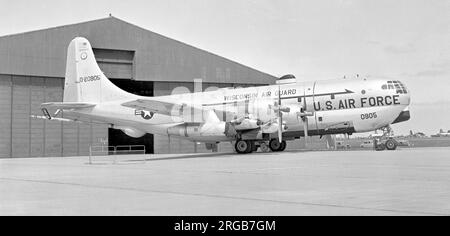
280	131
305	122
305	128
280	117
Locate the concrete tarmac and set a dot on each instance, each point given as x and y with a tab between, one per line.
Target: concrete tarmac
402	182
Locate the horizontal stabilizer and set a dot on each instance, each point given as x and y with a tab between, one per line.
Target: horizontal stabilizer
67	105
54	119
79	121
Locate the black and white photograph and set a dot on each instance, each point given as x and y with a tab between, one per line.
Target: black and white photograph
214	108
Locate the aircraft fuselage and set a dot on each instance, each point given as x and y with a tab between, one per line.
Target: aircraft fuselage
337	106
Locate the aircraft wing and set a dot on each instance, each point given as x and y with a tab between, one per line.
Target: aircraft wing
66	105
164	108
184	111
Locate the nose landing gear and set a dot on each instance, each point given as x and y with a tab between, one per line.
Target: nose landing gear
386	141
391	144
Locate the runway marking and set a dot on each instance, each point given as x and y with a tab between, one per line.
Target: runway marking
224	197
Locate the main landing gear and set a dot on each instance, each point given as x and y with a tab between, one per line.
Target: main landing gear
276	146
246	146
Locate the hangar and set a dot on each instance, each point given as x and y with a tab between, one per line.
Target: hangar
32	69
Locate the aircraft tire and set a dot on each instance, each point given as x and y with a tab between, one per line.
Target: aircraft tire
243	147
276	146
283	146
391	145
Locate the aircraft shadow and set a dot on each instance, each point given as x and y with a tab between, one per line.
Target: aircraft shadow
193	156
204	155
224	155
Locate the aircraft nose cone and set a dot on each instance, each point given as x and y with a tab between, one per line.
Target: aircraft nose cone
404	116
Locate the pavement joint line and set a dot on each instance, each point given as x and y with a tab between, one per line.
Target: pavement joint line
223	197
255	172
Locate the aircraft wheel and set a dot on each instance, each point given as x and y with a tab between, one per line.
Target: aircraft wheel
243	147
391	145
276	146
283	146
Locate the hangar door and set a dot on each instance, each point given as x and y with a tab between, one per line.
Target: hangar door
5	115
116	64
117	137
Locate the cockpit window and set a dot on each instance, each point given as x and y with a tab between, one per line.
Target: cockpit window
401	87
390	85
397	85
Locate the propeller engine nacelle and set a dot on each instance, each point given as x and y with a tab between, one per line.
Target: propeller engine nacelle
200	132
132	132
246	124
271	128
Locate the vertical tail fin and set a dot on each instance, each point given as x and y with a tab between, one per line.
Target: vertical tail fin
85	82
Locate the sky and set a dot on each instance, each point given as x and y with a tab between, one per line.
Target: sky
407	40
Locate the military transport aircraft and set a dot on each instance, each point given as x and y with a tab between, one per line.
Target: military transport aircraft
263	116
